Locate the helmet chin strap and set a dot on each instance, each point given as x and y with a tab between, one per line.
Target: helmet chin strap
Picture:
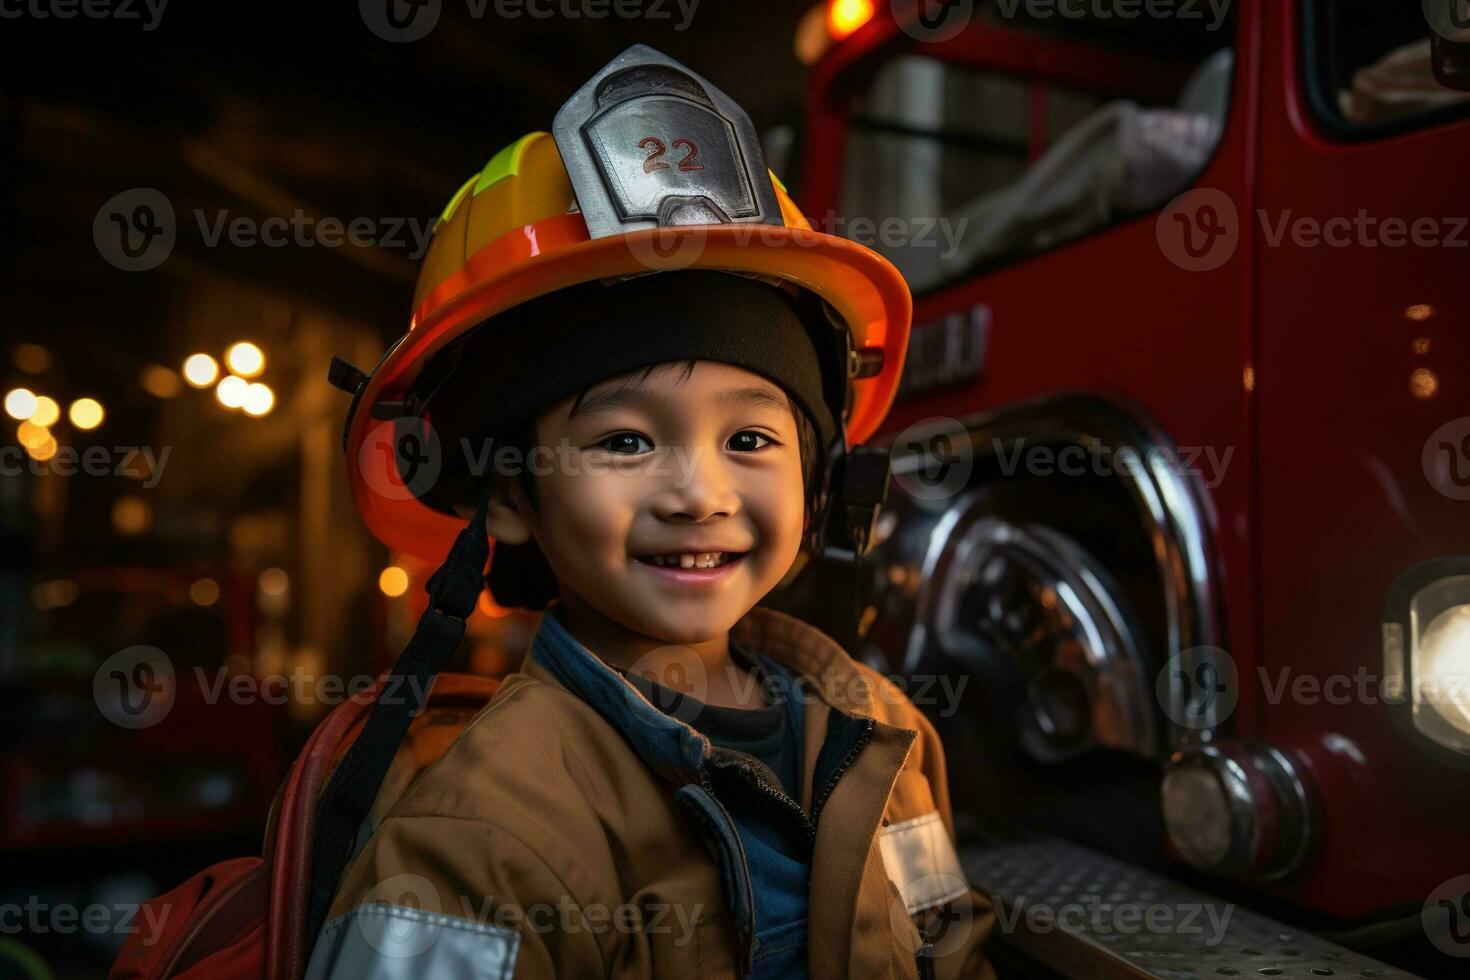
857	486
453	591
855	489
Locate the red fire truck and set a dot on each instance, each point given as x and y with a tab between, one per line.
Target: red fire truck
1182	463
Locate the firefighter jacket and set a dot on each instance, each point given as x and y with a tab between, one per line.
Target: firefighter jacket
575	830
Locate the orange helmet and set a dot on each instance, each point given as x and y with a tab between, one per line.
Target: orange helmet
649	169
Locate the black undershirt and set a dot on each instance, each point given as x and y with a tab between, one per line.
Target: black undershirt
761	732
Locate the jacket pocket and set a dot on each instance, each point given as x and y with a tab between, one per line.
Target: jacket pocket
699	950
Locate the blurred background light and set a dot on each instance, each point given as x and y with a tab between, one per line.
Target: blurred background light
846	16
275	591
42	450
274	582
258	399
86	413
393	581
20	403
55	593
32	359
1423	383
200	370
231	391
46	411
30	435
159	381
204	591
131	516
245	359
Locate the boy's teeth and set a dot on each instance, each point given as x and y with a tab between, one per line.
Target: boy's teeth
703	559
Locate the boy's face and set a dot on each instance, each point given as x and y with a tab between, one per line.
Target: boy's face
675	466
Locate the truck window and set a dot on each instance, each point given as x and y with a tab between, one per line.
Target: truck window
1369	68
983	168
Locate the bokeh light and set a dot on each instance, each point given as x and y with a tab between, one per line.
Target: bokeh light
20	403
846	16
231	391
32	358
131	516
393	581
46	411
258	399
204	591
86	413
159	381
245	359
200	370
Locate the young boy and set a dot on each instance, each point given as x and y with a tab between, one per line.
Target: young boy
678	782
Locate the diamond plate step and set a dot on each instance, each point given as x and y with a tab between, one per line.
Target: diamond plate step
1085	914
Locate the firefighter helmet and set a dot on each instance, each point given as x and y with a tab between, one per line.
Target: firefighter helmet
649	168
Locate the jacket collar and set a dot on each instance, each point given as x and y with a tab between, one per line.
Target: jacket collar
676	750
667	744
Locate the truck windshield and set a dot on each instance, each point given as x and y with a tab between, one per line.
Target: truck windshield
1371	65
994	166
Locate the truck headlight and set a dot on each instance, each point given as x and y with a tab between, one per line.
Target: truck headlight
1426	652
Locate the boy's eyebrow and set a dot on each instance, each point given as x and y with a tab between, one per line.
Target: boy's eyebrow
609	400
640	397
755	397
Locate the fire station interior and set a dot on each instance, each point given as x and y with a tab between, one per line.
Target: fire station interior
1053	622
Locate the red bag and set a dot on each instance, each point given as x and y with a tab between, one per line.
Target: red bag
245	919
214	927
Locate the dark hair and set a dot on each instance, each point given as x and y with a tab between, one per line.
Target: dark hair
521	577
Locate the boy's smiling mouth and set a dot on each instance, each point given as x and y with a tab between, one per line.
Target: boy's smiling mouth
691	559
692	566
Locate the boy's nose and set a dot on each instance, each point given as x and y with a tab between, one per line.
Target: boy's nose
699	488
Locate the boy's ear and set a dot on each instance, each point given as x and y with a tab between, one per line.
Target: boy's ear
504	516
504	522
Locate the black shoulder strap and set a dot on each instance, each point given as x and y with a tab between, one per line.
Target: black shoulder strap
453	591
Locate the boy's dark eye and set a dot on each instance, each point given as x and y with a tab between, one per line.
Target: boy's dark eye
745	441
625	443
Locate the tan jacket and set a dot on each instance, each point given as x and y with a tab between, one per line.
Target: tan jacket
543	843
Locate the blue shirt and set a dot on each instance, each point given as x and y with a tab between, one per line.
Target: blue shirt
776	843
763	821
